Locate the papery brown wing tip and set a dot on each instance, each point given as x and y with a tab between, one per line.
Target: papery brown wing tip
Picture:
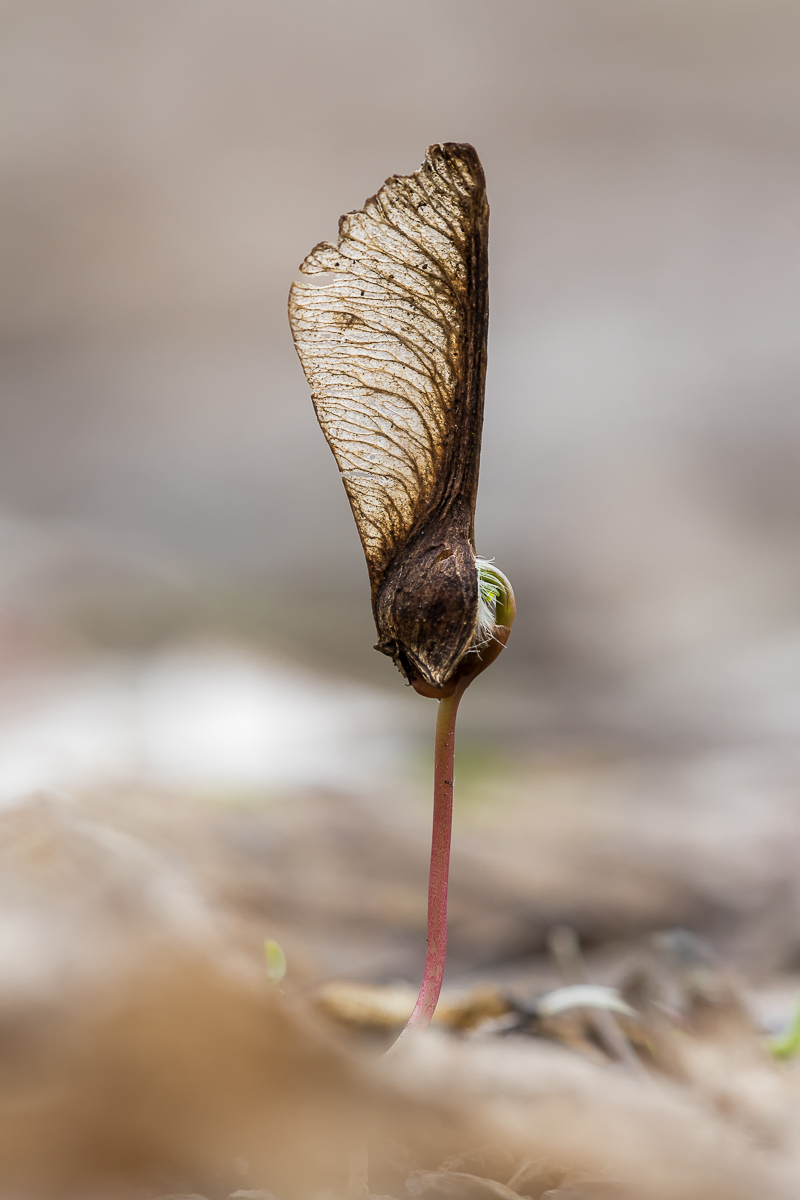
460	152
455	150
450	152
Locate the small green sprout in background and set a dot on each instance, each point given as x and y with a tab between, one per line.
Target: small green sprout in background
276	961
787	1044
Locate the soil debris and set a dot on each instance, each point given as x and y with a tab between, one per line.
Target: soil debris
147	1054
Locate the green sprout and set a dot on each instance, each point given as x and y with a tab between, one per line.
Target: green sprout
787	1044
276	961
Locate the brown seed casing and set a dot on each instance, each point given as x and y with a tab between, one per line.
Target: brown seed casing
394	349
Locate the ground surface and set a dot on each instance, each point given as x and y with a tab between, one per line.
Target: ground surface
149	1053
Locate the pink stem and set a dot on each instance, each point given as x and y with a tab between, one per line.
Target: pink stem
440	867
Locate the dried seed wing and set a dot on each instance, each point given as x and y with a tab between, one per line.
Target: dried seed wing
394	349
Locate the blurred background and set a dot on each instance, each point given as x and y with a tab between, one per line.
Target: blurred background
183	598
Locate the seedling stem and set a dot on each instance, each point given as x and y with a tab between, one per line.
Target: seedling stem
440	865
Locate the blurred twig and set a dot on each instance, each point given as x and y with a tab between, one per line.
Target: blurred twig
563	944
